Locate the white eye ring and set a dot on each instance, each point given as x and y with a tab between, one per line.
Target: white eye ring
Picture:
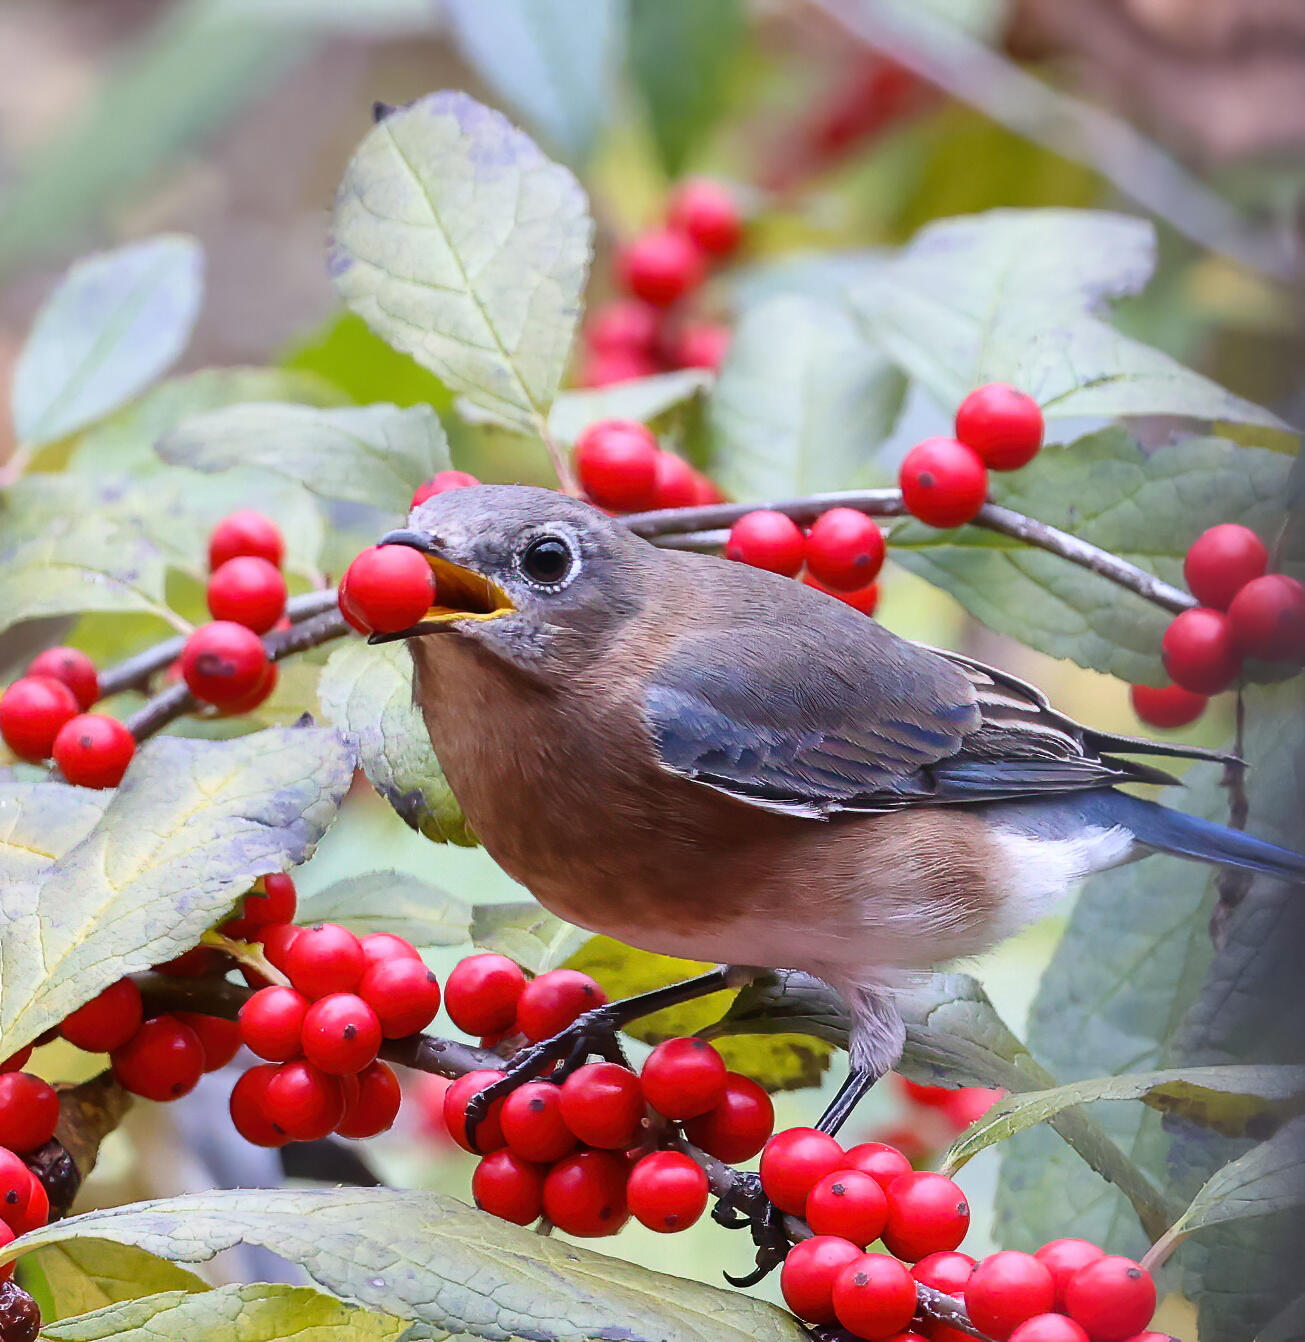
549	561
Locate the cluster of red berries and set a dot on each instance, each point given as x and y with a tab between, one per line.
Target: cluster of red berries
933	1116
640	334
45	714
622	468
29	1110
1070	1291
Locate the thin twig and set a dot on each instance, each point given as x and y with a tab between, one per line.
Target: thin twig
557	455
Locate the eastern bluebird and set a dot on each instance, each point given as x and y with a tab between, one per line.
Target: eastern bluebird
710	761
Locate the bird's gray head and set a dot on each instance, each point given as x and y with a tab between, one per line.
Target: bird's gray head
534	577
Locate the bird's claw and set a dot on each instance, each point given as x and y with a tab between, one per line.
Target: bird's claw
746	1205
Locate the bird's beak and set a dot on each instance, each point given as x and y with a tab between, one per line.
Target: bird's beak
460	593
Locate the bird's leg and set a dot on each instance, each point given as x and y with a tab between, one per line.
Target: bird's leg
596	1032
764	1219
854	1089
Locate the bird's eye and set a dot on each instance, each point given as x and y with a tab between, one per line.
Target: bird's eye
547	561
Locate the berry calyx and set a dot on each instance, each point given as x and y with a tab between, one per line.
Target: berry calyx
248	1108
602	1103
793	1162
403	993
245	533
584	1194
927	1213
342	1033
489	1132
224	663
769	540
247	590
1267	619
302	1101
707	213
508	1187
667	1191
107	1021
388	588
482	992
272	1023
440	483
683	1078
1166	707
1049	1328
1198	651
374	1106
616	462
845	549
71	667
32	711
94	750
162	1061
874	1296
661	267
1003	425
325	958
555	1000
740	1124
533	1125
807	1277
848	1203
943	482
1111	1299
1063	1258
1221	561
1006	1289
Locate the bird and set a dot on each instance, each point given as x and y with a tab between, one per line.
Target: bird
707	760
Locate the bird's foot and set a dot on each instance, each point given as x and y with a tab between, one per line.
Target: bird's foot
746	1205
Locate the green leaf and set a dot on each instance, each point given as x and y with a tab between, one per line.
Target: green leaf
117	321
679	56
801	404
1144	507
368	691
192	825
395	902
430	1259
527	933
257	1313
551	61
458	242
1232	1100
646	399
1011	296
41	821
373	454
81	1275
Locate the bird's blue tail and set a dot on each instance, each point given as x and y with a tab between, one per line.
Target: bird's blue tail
1170	831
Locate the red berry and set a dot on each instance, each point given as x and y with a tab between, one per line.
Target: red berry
32	710
660	267
403	993
667	1191
555	1000
740	1124
793	1162
683	1078
807	1278
701	345
604	369
245	533
1267	619
7	1237
1063	1258
1006	1289
767	539
677	483
706	212
303	1101
623	325
162	1061
342	1033
864	599
1049	1328
261	692
845	550
219	1039
489	1132
272	1023
249	591
194	963
874	1296
616	461
943	482
324	959
927	1213
271	901
1221	561
107	1021
73	668
93	750
849	1203
1167	707
18	1187
948	1271
968	1104
391	587
276	940
223	663
1198	651
15	1062
584	1194
248	1107
1112	1298
380	947
440	483
1003	425
508	1187
533	1125
602	1104
374	1107
482	993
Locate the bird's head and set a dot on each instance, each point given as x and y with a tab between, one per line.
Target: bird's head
537	579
